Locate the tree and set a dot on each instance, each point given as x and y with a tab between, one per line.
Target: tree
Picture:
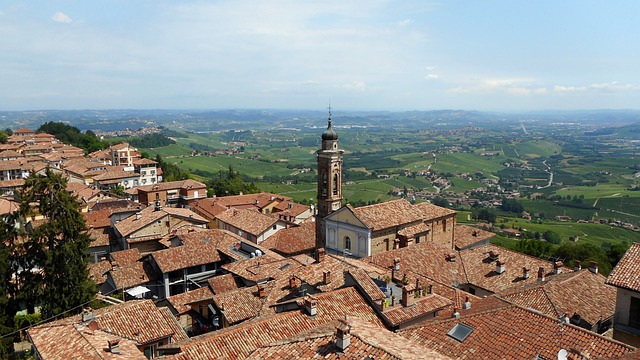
552	237
484	214
58	247
231	183
512	205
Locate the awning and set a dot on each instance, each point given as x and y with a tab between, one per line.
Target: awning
137	291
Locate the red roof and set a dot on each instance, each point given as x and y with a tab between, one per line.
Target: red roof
626	273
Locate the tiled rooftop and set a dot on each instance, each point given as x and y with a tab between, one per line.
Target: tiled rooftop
239	341
424	305
512	333
388	214
180	301
583	293
170	185
128	275
178	331
262	267
240	304
625	274
222	283
480	269
125	256
466	235
430	211
367	341
193	252
78	341
247	220
294	240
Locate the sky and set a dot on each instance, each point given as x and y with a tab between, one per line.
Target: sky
355	55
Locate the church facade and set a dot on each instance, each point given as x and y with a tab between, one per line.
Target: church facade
372	229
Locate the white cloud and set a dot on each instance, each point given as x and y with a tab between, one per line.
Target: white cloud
540	91
405	22
569	89
61	17
357	85
518	90
432	77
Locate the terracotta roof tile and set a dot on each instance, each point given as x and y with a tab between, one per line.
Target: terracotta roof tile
171	185
249	221
99	237
294	240
364	281
78	341
512	333
583	293
222	283
466	235
431	211
97	271
367	341
133	274
388	214
399	314
180	301
239	341
124	257
239	305
625	274
261	267
178	331
209	208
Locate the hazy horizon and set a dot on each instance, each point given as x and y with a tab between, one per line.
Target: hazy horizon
501	56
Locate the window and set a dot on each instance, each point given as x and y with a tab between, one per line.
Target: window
634	313
335	184
324	184
460	332
153	172
274	227
347	243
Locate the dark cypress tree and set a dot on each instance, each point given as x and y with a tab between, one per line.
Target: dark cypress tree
57	247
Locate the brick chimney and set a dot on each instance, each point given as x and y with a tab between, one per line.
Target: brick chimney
494	255
593	267
500	267
525	272
343	334
320	255
261	292
408	297
114	346
577	265
311	305
557	267
292	282
541	274
451	257
467	304
396	264
430	289
326	277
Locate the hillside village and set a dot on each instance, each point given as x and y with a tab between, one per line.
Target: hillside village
259	276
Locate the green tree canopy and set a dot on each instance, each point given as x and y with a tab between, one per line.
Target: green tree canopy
231	183
71	135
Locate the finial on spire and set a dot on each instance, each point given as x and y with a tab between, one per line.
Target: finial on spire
329	114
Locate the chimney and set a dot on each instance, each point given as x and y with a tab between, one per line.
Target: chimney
396	264
158	207
557	267
343	334
467	304
430	289
408	298
381	305
326	277
114	346
320	255
525	272
138	215
222	306
292	282
455	314
593	267
500	267
451	257
564	318
577	265
494	255
261	291
393	300
541	274
87	315
311	305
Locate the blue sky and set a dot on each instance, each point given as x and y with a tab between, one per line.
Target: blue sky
358	55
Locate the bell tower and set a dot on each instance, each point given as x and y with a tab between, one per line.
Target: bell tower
329	180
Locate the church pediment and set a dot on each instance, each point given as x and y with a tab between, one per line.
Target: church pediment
345	215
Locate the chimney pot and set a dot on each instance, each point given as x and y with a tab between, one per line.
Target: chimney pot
541	274
408	297
500	267
525	272
393	300
326	277
455	314
311	305
292	282
114	346
494	255
320	255
467	304
343	334
593	267
557	267
396	264
261	291
430	289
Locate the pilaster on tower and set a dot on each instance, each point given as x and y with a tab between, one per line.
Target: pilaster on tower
329	180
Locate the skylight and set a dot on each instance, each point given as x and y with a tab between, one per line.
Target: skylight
460	332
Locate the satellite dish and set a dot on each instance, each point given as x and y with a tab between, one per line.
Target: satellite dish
562	354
